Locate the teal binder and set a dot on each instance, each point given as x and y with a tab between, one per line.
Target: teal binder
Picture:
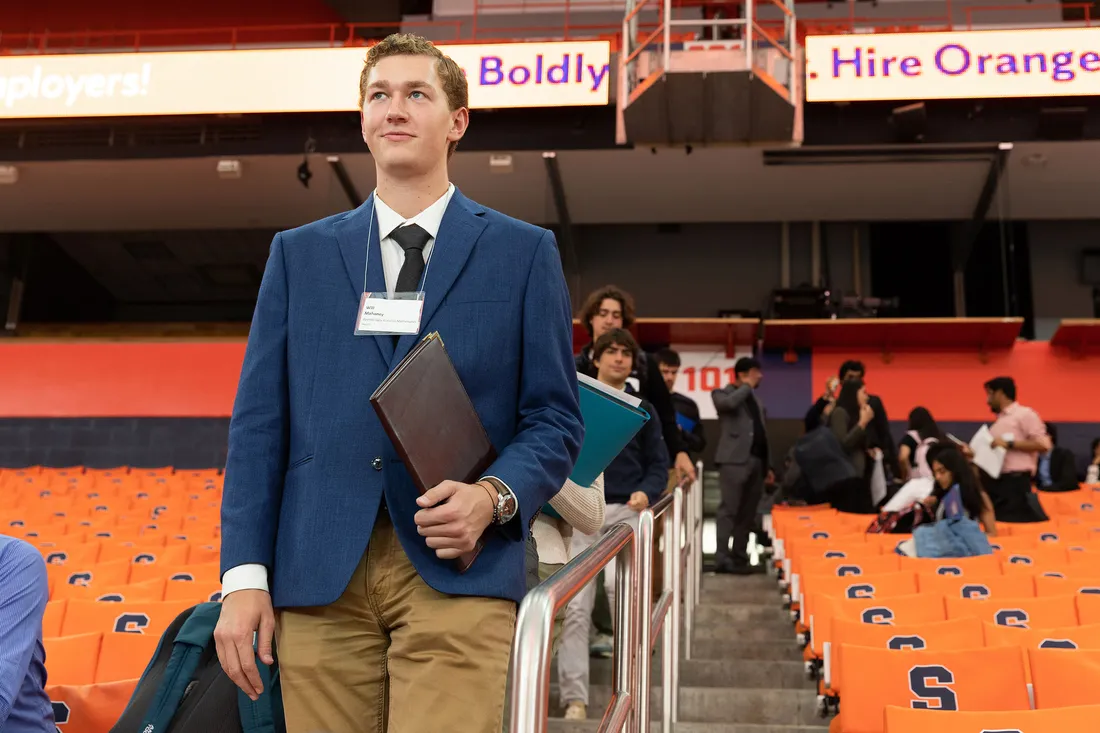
611	419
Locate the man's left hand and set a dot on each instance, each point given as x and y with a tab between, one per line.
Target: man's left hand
684	466
452	517
1000	443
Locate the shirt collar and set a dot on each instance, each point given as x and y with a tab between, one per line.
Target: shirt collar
429	219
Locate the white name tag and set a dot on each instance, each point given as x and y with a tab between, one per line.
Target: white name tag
381	315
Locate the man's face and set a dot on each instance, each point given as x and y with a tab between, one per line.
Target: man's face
995	400
752	377
852	374
669	372
607	318
406	119
614	365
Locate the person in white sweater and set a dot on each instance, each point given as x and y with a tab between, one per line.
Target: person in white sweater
580	508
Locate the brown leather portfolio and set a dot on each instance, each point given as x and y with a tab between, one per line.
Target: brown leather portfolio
431	421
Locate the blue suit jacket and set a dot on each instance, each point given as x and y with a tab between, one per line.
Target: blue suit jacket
308	460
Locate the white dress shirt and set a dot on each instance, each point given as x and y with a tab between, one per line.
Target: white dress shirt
253	575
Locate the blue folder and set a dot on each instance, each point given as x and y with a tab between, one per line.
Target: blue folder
686	423
609	424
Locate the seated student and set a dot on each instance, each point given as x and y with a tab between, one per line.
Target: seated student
1092	473
958	491
24	591
634	479
1057	469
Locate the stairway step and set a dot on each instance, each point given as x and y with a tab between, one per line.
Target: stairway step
774	631
716	705
721	581
722	673
745	594
726	614
558	725
720	649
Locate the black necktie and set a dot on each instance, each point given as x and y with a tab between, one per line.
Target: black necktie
412	239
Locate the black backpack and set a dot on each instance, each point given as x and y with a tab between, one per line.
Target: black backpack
184	690
821	461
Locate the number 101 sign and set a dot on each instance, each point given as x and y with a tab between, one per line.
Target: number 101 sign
702	372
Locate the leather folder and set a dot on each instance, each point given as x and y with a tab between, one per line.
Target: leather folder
431	421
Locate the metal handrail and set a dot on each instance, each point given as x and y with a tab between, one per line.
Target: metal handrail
529	686
638	619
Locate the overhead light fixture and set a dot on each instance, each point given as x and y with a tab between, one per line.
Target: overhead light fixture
500	164
9	174
229	169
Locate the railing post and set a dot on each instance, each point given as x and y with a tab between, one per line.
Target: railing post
666	18
687	558
697	568
626	628
669	632
749	11
644	546
676	554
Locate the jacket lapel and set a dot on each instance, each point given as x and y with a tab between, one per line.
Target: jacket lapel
462	224
352	233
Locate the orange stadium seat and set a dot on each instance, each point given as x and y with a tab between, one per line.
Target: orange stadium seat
89	708
970	586
935	636
62	553
106	575
1065	678
71	660
1028	613
201	592
206	573
204	554
1009	543
983	565
1046	585
1058	720
53	617
1039	559
144	592
1088	609
889	611
1069	637
988	679
124	656
151	618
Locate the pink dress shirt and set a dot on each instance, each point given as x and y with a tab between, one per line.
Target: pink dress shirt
1022	423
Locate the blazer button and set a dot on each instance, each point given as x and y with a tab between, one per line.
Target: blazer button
376	464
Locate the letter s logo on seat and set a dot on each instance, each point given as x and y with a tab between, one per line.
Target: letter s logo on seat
879	615
1058	644
927	682
57	558
819	536
131	623
949	570
61	713
80	579
1012	617
975	591
864	590
906	642
835	555
844	570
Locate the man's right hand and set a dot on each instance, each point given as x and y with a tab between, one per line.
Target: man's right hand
245	613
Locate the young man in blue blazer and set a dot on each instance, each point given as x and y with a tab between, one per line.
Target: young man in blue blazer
376	627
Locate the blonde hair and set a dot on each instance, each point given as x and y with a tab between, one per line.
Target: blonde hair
450	74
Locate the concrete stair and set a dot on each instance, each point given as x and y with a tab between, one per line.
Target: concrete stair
745	675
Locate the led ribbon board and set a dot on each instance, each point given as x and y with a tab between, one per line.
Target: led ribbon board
1047	62
559	74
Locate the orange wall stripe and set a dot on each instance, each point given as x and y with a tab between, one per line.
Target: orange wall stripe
1061	386
123	379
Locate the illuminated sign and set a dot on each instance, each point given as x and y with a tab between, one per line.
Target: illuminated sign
559	74
1049	62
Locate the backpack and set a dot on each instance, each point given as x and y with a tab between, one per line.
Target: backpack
920	467
184	690
821	460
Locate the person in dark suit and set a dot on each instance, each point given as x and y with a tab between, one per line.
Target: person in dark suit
687	412
743	460
1057	469
376	627
878	431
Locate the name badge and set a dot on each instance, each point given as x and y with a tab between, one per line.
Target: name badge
382	315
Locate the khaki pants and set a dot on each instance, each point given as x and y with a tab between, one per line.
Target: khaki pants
394	655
